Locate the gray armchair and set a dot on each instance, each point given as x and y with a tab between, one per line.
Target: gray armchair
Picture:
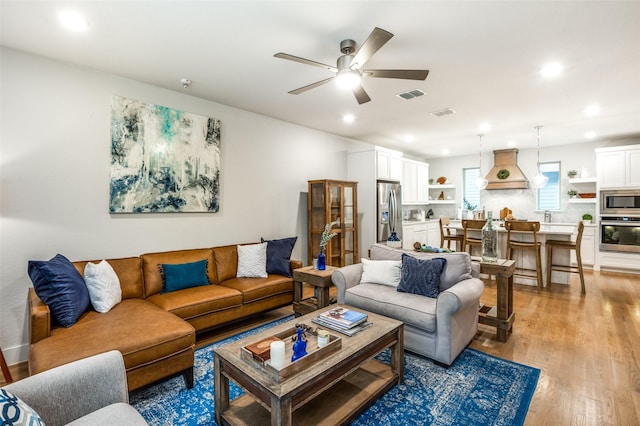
438	328
91	391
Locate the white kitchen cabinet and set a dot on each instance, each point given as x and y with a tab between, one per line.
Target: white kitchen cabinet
388	165
412	233
415	182
433	233
618	167
587	248
632	159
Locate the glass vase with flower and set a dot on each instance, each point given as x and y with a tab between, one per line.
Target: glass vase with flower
326	236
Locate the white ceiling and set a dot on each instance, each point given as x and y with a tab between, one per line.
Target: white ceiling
484	60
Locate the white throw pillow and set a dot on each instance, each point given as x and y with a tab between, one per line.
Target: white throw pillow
387	272
252	261
103	285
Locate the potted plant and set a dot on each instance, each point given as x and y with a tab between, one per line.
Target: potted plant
572	193
572	174
587	218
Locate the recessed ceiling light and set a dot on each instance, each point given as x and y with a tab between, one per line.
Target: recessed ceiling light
73	21
445	151
592	110
348	118
590	135
409	139
484	127
552	69
511	144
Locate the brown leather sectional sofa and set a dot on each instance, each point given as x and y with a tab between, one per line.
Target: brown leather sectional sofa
155	331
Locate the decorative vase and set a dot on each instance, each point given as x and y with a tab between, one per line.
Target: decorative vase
299	346
489	241
322	260
393	240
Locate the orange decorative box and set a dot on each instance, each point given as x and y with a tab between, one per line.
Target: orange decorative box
587	195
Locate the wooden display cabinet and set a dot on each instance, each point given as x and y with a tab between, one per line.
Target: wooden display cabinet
329	201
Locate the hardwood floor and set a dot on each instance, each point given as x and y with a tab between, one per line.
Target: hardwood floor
586	346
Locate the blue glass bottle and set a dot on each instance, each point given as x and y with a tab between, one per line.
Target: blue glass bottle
322	261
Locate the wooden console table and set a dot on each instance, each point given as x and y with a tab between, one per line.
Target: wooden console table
500	316
320	280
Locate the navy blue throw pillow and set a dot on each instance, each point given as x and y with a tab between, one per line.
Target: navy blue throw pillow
60	286
184	275
279	254
421	276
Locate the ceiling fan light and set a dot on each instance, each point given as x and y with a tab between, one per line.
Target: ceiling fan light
348	79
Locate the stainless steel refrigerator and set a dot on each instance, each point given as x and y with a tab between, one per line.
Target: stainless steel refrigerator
389	209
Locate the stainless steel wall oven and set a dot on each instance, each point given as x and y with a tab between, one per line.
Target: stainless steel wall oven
620	234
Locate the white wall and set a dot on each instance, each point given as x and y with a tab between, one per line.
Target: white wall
54	178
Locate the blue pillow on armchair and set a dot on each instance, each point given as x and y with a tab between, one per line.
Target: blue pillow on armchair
279	254
421	276
60	286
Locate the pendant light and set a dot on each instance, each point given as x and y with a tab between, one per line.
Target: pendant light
481	182
539	180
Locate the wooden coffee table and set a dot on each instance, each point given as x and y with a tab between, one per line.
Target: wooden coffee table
332	390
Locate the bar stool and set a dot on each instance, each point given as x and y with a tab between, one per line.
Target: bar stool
446	235
472	241
525	228
566	245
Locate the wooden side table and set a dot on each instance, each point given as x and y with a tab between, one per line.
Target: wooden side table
500	316
320	280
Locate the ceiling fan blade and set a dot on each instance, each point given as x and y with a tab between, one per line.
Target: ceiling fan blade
405	74
311	86
372	44
305	61
361	95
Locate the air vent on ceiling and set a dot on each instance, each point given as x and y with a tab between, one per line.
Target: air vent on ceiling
411	94
442	112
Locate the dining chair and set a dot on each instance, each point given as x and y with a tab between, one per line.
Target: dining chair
517	232
566	245
448	236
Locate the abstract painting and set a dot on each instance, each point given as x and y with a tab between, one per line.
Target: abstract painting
162	159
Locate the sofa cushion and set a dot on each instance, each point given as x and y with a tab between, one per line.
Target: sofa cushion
14	411
279	255
254	289
387	272
140	330
183	275
196	301
458	265
153	282
252	261
129	272
412	309
103	285
421	276
59	284
226	258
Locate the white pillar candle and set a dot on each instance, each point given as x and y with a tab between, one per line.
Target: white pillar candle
277	354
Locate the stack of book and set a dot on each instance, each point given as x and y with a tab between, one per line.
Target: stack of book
342	320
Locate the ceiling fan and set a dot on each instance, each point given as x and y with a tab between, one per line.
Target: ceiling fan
349	66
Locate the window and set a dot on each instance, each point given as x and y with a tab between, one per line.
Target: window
470	191
548	197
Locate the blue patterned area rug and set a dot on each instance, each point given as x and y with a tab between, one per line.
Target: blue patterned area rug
478	389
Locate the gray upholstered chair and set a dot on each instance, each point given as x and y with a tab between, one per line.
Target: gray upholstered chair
438	328
91	391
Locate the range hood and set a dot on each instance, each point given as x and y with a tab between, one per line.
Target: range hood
505	173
